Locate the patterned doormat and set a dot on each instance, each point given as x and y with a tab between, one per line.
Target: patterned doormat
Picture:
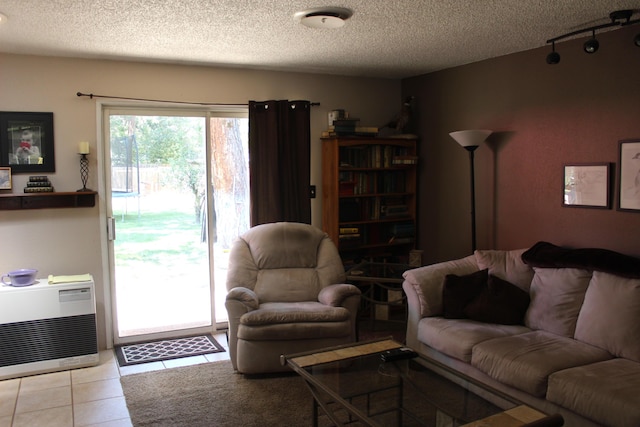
153	351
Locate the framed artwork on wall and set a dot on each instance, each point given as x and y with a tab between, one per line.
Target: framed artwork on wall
5	178
26	142
629	176
587	185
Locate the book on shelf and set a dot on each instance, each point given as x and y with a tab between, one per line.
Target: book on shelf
395	210
48	189
405	160
38	184
349	230
38	178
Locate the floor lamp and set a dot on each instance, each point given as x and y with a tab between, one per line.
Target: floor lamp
470	140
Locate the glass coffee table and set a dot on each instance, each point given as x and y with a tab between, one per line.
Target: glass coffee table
352	385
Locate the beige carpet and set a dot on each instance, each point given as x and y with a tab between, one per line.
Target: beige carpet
212	394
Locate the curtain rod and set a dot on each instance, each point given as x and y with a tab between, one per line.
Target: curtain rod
91	96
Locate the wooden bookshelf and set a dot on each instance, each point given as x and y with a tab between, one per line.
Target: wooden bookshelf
76	199
369	197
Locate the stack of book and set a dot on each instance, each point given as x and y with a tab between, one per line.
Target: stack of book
349	127
38	184
402	233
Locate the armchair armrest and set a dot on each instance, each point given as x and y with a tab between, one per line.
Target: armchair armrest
246	296
335	295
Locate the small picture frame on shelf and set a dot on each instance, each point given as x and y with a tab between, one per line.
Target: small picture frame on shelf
5	178
26	142
587	185
629	176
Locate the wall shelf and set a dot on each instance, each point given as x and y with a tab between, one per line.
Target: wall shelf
75	199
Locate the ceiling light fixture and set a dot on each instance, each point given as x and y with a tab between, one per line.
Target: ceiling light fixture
323	17
618	18
591	45
553	57
3	18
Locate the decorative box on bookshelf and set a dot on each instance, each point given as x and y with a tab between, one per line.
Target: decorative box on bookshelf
369	196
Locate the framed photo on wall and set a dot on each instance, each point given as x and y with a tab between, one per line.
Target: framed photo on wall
587	185
5	178
629	178
26	142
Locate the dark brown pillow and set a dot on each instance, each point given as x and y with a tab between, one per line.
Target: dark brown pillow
458	291
500	302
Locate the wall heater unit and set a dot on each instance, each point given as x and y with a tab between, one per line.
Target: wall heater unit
46	328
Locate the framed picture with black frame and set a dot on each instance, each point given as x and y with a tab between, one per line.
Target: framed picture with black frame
587	185
629	175
26	142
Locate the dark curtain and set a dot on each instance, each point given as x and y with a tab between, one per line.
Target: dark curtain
279	159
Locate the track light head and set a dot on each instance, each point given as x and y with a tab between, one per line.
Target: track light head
636	40
591	45
554	57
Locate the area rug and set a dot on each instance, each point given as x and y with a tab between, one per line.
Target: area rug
153	351
212	394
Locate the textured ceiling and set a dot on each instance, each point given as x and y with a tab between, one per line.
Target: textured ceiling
382	39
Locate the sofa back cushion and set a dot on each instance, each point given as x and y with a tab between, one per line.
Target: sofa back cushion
507	265
609	318
556	298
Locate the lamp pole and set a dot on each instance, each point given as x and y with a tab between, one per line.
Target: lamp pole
470	140
471	149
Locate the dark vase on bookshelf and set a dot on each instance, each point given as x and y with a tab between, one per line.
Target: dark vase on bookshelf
369	197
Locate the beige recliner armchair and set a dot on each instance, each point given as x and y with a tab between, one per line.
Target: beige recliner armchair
286	294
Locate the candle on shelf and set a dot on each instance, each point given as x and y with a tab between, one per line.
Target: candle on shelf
83	148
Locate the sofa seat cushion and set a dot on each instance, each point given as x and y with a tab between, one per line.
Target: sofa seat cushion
525	361
456	337
606	392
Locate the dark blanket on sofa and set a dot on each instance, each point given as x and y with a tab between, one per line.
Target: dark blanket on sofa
548	255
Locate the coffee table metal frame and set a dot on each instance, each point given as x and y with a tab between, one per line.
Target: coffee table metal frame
324	396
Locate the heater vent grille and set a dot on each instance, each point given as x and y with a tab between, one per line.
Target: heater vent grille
48	339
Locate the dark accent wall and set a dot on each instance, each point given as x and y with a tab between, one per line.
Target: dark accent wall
543	118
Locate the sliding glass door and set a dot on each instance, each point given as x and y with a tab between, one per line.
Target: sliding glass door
178	198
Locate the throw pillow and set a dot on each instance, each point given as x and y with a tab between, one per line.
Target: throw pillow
500	302
458	291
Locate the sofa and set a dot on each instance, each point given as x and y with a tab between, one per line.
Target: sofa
556	328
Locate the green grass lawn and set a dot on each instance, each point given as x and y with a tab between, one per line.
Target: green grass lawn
166	239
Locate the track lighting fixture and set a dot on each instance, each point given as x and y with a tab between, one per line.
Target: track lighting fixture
591	45
618	18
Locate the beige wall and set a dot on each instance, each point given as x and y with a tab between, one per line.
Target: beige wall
67	241
543	117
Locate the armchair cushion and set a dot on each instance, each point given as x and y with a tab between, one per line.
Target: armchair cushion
277	312
334	295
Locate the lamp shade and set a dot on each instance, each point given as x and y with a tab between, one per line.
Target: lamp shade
470	138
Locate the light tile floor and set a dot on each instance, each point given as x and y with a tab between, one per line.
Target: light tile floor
81	397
